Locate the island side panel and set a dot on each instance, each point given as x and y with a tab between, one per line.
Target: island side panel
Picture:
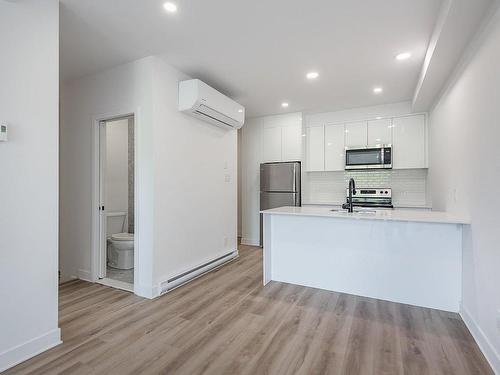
406	262
267	243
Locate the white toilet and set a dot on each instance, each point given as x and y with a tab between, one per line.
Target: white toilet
121	251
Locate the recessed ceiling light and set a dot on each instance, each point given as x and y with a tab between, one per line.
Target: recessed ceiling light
312	75
378	90
403	56
378	118
170	7
240	111
284	105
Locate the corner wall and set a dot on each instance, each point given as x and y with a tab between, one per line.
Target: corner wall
29	102
464	176
118	91
195	183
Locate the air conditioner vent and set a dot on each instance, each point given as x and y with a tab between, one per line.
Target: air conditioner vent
206	103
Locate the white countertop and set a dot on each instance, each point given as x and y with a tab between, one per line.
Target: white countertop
423	216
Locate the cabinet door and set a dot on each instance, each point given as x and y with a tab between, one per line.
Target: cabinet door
380	132
271	144
334	148
356	134
315	140
409	142
291	143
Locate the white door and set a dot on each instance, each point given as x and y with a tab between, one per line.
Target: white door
409	142
380	132
334	148
102	203
356	134
315	140
271	144
291	143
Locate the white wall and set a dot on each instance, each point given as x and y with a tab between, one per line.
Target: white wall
195	183
117	91
464	176
29	102
116	173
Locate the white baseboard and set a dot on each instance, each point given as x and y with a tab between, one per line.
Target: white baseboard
250	241
29	349
482	340
85	275
175	281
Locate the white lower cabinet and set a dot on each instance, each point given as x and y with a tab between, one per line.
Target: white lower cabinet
315	149
409	142
334	148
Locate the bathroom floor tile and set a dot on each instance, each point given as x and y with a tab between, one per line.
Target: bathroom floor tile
120	275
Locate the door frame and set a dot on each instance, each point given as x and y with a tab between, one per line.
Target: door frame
96	257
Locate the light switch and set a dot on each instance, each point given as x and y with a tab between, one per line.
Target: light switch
3	131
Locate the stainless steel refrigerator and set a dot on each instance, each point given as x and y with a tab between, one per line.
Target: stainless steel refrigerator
279	186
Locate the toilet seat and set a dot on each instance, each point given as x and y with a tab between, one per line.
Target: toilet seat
122	237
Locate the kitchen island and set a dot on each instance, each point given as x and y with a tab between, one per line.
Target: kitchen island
405	256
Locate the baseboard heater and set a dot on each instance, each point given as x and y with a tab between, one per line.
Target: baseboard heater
198	271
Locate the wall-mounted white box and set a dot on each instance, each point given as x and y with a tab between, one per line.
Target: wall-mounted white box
3	131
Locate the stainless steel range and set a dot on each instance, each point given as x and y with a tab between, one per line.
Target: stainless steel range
371	197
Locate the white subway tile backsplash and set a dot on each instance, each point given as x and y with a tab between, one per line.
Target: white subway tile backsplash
408	185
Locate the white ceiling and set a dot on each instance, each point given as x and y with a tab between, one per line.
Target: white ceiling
258	52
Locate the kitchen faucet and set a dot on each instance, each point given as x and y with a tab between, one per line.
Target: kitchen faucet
352	191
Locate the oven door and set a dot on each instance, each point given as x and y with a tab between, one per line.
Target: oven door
365	158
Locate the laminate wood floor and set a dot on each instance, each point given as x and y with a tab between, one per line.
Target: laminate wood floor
227	323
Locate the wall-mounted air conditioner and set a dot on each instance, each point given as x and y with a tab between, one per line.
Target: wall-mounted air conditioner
204	102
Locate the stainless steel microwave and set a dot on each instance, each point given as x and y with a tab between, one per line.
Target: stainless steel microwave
371	157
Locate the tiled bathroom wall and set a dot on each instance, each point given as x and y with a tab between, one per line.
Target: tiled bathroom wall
408	185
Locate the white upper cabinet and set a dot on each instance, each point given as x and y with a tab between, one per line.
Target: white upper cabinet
334	148
271	144
315	149
291	140
380	132
409	146
282	138
325	145
356	134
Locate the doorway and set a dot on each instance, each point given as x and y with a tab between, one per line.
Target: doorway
117	203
